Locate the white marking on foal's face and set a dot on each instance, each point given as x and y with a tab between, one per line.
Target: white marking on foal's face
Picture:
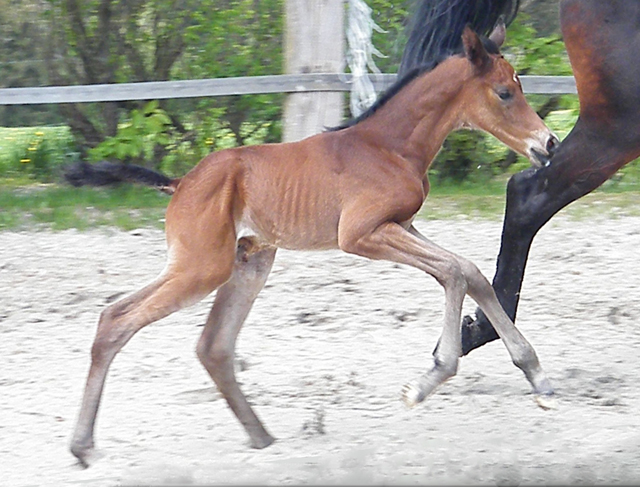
516	78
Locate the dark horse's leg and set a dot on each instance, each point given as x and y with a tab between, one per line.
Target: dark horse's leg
602	39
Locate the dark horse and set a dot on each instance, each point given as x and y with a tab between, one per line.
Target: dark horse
603	40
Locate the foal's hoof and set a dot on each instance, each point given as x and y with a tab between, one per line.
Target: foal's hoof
412	395
85	454
546	401
261	443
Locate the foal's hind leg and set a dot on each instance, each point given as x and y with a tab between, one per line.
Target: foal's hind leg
216	347
187	280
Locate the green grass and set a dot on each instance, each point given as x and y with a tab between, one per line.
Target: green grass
599	204
31	159
127	207
60	208
478	200
29	154
615	198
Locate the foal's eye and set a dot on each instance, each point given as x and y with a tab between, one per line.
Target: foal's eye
504	94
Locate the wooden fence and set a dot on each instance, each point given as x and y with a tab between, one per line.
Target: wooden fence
232	86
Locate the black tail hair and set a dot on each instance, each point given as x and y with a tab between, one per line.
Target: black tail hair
435	28
105	173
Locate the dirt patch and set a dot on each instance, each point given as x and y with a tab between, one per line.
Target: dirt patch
323	357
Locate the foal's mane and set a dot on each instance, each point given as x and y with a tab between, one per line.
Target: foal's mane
403	81
435	33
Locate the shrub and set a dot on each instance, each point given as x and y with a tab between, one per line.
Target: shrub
35	153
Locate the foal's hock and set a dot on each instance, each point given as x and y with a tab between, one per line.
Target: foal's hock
355	188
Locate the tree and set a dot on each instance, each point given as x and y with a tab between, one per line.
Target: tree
112	41
236	38
51	42
21	60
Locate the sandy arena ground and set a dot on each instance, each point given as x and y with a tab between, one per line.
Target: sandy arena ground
323	357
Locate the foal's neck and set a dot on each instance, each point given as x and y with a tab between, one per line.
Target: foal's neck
416	121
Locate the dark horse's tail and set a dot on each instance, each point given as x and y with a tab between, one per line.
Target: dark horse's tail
435	29
107	173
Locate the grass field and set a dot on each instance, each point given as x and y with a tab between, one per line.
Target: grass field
61	207
32	195
30	154
51	206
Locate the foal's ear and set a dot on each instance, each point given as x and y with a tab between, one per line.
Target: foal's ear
499	33
474	50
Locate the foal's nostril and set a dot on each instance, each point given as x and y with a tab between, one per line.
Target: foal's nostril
552	145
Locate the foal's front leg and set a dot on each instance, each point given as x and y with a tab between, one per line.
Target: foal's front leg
458	276
390	241
522	353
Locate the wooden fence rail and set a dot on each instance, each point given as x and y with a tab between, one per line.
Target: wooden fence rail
232	86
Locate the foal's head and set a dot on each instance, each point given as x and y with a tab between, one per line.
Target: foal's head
493	101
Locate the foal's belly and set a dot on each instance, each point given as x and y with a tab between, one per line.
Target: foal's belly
311	234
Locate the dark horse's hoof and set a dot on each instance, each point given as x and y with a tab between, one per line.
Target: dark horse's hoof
475	333
469	326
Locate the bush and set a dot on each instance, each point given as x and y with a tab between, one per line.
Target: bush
29	154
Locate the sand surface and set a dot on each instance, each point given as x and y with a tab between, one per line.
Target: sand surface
323	357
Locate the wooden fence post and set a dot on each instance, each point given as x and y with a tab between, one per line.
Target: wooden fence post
314	43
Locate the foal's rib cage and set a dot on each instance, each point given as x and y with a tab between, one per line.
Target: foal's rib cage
356	189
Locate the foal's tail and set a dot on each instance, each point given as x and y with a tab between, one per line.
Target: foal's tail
105	173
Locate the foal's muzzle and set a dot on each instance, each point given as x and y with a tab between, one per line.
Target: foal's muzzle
552	146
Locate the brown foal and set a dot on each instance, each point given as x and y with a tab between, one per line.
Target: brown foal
358	189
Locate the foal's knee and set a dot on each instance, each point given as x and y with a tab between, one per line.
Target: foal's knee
202	351
213	356
476	280
452	275
111	335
